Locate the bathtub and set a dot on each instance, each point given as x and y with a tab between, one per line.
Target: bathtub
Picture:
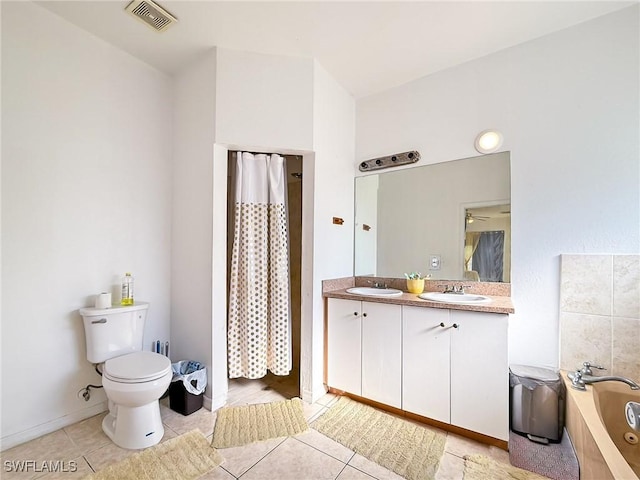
596	424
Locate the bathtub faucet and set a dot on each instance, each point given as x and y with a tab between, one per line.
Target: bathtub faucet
586	368
628	381
578	380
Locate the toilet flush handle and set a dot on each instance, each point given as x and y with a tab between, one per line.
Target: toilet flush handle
102	320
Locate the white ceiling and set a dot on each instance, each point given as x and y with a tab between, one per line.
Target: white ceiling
367	46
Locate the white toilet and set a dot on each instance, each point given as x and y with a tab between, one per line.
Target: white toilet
133	380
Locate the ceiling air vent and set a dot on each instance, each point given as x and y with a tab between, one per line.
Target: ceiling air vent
152	14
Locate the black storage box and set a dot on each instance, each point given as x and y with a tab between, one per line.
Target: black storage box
182	401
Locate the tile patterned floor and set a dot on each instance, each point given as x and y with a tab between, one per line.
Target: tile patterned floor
308	456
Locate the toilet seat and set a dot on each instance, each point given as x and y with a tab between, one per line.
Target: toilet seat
138	367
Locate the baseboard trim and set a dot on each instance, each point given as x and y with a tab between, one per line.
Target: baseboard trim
307	396
32	433
206	402
315	394
217	402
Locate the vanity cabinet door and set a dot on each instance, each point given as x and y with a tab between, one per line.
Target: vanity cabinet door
382	353
344	345
480	373
425	362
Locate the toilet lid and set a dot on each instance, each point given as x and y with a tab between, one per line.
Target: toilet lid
137	367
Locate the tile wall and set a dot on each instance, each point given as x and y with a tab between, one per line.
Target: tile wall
600	313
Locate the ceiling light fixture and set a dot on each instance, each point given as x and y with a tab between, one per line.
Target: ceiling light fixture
488	141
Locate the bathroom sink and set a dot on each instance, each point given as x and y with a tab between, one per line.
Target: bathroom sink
464	298
375	292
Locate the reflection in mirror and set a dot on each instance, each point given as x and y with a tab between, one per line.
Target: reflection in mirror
406	218
487	244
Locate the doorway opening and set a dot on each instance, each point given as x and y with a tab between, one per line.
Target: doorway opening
273	387
487	243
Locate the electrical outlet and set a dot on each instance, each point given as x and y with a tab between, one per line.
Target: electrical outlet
434	262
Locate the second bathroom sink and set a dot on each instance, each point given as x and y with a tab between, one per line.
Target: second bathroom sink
375	292
466	298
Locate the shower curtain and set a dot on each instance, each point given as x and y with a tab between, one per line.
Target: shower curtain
488	257
259	326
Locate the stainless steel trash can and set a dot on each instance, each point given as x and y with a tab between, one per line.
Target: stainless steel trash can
537	401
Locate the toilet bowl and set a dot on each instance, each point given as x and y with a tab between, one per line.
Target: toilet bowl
133	380
133	384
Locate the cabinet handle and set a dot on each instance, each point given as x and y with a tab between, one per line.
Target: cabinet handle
442	324
355	313
455	325
364	314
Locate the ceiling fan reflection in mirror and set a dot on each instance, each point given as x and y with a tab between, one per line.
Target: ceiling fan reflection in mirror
470	218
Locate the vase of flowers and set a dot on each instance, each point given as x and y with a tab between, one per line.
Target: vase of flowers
415	282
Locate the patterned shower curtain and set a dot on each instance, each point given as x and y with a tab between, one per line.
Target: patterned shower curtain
488	257
259	326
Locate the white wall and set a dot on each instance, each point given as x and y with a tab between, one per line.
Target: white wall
366	213
334	147
192	213
264	100
86	192
567	104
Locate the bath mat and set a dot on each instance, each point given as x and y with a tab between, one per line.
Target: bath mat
556	460
408	449
236	426
479	467
188	456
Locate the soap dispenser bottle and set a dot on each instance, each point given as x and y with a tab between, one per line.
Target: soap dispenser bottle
127	289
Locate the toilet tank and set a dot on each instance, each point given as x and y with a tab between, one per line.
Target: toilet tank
115	331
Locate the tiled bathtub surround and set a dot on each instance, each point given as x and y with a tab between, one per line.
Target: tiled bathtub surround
600	313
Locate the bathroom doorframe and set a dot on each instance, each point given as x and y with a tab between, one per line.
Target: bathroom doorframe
219	378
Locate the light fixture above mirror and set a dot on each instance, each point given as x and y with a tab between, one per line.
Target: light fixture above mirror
488	141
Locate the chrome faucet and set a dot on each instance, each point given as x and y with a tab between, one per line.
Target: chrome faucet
459	289
586	368
628	381
578	380
377	284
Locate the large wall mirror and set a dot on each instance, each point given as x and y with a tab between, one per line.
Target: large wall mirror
451	220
